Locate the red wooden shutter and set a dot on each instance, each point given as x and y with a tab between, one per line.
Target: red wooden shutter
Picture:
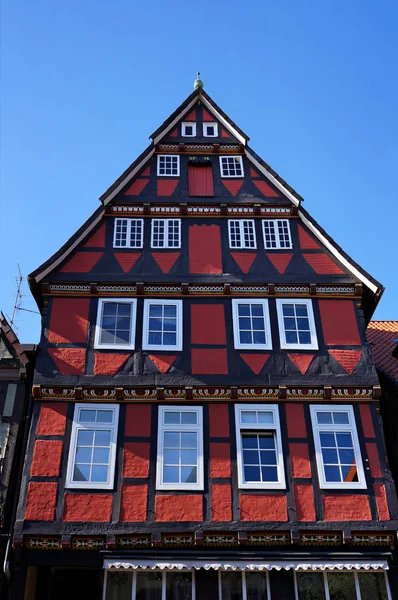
200	181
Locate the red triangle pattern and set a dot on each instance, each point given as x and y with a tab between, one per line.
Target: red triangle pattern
306	241
348	359
127	260
166	188
108	363
191	116
256	362
244	260
174	133
253	173
280	261
166	260
224	134
97	240
302	361
265	189
137	187
233	186
162	362
207	116
146	173
82	262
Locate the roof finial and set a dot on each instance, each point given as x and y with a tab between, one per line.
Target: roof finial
198	83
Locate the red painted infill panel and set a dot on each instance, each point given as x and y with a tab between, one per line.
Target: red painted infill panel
219	420
253	173
280	261
348	359
323	264
82	262
127	260
52	420
68	321
174	508
46	458
220	459
339	323
233	186
191	116
300	459
146	172
41	501
108	363
166	260
381	502
69	361
133	504
306	241
265	189
207	116
301	361
209	362
205	255
87	508
138	420
244	260
174	133
263	508
295	421
367	423
256	362
221	503
354	507
166	187
224	134
208	324
305	504
98	239
374	462
162	362
200	181
137	187
136	459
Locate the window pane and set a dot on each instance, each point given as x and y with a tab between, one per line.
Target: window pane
178	586
265	416
188	475
101	456
118	585
102	438
171	439
172	417
310	586
188	457
341	586
372	586
189	418
149	586
104	416
341	418
99	473
81	473
87	416
170	475
231	585
248	416
85	438
189	440
171	457
256	586
83	455
324	418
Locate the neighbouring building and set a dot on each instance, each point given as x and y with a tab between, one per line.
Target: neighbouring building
205	401
16	371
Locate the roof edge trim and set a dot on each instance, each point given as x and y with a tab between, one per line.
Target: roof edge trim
180	115
272	179
129	176
219	116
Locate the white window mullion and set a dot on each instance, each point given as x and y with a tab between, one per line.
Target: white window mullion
163	585
134	586
244	591
326	584
193	585
268	587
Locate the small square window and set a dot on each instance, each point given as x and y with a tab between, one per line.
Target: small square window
128	233
252	328
168	165
276	234
166	233
296	325
210	129
242	233
188	129
162	327
231	166
115	326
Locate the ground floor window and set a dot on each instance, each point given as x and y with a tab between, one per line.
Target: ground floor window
243	585
342	586
150	585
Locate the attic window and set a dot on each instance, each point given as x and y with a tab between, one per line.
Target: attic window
210	129
188	129
168	165
231	166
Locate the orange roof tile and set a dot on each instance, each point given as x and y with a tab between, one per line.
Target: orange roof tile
380	336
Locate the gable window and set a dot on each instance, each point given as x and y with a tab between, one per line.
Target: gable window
259	446
92	452
188	129
166	233
210	129
276	234
180	448
168	165
128	233
252	328
162	327
239	585
296	325
231	166
337	450
115	326
242	233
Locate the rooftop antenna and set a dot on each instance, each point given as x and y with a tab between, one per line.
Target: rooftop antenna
18	299
198	83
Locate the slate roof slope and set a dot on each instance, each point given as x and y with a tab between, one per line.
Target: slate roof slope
381	336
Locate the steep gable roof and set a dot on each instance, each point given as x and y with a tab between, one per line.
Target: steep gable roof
11	351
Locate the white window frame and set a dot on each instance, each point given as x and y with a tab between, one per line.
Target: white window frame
277	237
170	174
76	427
207	124
189	124
275	427
351	428
235	318
166	234
98	325
357	587
283	343
145	325
231	176
242	235
129	226
244	588
199	485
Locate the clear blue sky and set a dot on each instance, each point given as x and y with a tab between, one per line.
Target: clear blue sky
84	83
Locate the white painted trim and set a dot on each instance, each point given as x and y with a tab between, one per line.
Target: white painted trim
98	325
211	124
282	339
165	131
129	177
76	427
129	226
242	236
166	233
218	116
190	124
272	179
275	426
338	255
177	156
351	428
197	428
231	176
145	324
235	320
277	236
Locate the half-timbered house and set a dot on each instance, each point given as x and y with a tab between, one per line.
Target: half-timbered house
205	421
